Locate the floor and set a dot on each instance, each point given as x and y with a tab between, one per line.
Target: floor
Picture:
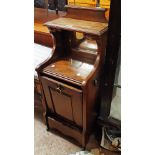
48	143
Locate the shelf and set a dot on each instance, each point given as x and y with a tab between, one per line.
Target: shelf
90	27
69	69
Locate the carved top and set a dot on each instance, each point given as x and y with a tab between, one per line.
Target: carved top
95	28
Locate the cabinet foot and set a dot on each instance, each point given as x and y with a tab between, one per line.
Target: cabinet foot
47	129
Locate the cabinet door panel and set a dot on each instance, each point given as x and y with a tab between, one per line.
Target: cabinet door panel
62	104
63	99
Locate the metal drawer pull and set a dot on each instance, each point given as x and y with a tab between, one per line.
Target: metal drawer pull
59	89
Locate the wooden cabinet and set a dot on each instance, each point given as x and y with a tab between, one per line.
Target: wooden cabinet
70	77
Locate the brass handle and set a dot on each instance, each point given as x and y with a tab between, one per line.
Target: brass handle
59	89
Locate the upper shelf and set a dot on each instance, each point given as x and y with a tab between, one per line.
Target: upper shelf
90	27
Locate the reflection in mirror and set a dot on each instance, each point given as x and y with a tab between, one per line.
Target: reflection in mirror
84	48
79	35
89	45
85	43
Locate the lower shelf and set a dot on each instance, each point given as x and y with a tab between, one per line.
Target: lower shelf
70	69
67	131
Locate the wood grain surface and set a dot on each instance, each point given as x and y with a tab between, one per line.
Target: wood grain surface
95	28
70	69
